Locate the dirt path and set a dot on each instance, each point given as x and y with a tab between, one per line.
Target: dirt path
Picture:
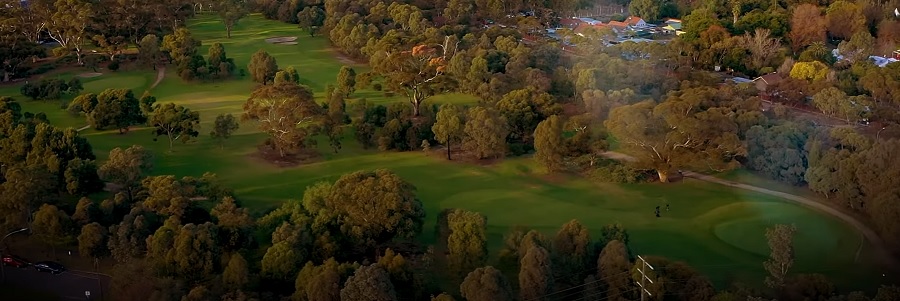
160	74
867	232
83	128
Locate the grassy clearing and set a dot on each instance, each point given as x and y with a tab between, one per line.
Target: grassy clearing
717	229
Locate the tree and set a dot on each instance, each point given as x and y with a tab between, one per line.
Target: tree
647	9
810	71
311	17
126	168
218	62
877	176
223	127
524	109
374	207
613	266
572	251
807	26
548	144
781	242
147	101
834	102
467	240
112	107
860	46
346	80
85	212
262	67
844	18
369	283
196	252
778	152
448	126
677	132
148	51
762	46
175	122
536	275
485	133
280	110
231	11
127	239
81	177
181	47
52	226
236	274
280	261
418	72
92	241
486	284
68	24
234	224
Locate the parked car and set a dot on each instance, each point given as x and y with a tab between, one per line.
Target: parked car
15	261
50	267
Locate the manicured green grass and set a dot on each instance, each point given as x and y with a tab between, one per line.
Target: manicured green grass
717	229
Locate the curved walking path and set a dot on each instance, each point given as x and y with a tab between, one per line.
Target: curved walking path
160	74
867	232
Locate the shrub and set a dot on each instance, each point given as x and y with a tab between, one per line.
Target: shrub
48	89
113	66
610	171
377	87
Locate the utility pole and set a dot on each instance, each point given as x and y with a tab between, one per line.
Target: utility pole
644	291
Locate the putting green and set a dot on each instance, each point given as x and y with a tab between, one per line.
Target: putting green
107	81
744	233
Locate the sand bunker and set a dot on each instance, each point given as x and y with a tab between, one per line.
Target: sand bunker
282	40
90	74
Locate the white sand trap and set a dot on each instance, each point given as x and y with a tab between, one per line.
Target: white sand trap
90	74
286	43
279	40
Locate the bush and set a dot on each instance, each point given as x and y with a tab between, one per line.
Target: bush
610	171
186	74
377	87
242	72
113	66
40	69
48	89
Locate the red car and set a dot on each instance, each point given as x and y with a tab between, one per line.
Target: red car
14	261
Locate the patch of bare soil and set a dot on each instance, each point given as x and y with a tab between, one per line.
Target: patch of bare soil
344	59
279	40
90	74
271	156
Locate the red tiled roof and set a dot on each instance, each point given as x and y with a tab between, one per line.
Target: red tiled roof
618	24
770	79
632	20
584	26
571	22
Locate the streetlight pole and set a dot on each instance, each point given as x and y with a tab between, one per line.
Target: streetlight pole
2	270
879	132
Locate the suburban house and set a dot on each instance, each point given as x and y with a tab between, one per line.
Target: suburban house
570	23
673	26
636	22
764	82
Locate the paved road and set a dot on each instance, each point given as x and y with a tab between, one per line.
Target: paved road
70	285
867	232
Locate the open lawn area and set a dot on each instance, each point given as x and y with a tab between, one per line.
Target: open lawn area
718	230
